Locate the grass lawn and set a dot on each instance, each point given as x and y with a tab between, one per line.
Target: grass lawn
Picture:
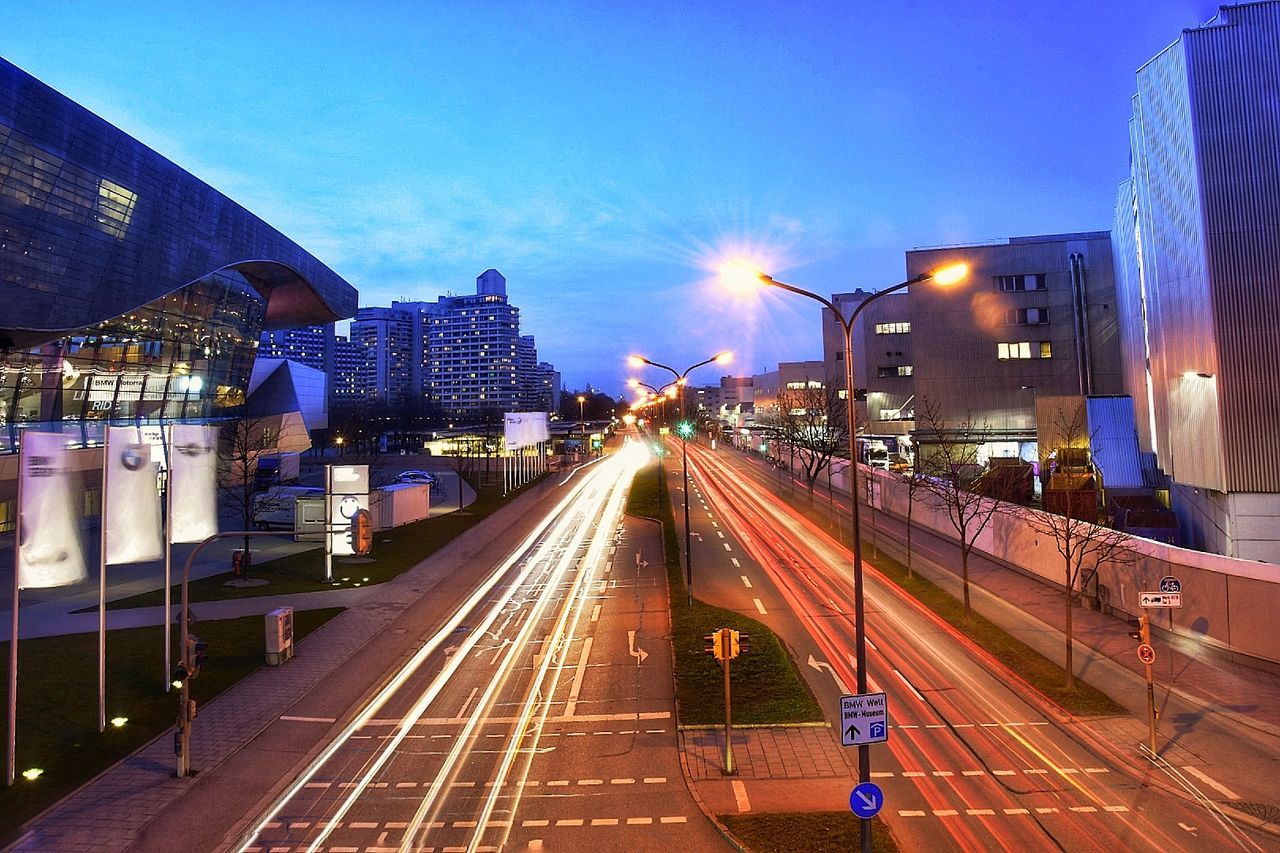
58	701
766	686
395	551
813	832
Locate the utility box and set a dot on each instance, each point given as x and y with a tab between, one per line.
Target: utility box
279	630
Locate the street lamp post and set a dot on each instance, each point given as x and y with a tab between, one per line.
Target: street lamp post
582	423
944	275
684	430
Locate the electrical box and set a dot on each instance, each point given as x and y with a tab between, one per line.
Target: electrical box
279	630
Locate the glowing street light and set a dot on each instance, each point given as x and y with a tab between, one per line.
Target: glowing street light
742	275
684	430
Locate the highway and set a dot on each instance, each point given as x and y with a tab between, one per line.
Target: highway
974	761
533	715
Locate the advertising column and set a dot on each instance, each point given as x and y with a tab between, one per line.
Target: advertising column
346	491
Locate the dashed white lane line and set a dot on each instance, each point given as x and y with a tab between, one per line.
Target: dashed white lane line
726	547
720	533
740	796
1212	783
746	581
1043	810
595	613
1035	771
760	606
675	819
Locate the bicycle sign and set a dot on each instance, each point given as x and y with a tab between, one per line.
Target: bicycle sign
1169	583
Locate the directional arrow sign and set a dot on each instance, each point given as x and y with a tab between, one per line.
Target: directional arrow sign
1159	599
866	800
820	665
638	654
864	719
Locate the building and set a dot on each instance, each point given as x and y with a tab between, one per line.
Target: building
129	289
472	351
1197	247
527	373
884	368
790	376
549	388
387	341
344	384
308	345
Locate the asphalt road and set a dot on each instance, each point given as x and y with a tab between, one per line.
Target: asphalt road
540	716
974	761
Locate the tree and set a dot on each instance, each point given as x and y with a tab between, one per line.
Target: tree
243	443
915	482
952	478
811	421
1083	545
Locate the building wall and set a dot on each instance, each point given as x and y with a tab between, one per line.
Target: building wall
884	366
1037	315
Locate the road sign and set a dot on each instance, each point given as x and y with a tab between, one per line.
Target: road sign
1169	583
1146	653
866	800
864	719
1159	599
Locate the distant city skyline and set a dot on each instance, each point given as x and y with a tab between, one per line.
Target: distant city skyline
604	159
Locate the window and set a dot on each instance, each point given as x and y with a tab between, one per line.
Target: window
893	328
900	370
1020	282
1023	349
1026	316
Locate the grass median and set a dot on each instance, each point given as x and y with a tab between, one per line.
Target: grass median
58	701
814	832
766	687
395	551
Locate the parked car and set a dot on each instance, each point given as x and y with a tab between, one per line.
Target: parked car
417	477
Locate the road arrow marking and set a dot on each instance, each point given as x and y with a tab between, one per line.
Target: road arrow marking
638	654
821	665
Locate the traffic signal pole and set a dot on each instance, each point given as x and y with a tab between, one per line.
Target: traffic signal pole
728	713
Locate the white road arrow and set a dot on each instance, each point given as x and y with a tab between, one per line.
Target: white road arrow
638	654
641	564
821	665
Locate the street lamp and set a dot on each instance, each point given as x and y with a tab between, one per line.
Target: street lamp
685	430
741	275
582	423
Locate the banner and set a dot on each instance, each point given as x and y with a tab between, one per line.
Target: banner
131	500
193	477
525	429
347	491
49	553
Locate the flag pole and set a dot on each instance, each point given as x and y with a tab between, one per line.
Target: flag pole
102	585
11	758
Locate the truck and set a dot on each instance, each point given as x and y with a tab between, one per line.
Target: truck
277	469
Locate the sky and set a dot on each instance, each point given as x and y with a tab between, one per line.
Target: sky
606	157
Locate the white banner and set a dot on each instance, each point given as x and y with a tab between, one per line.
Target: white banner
131	501
525	429
193	476
49	553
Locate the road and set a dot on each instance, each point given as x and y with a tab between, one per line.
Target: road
540	715
974	761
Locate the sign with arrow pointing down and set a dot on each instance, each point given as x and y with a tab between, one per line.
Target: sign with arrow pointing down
864	719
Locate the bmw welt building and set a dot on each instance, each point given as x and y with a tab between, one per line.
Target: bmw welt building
130	291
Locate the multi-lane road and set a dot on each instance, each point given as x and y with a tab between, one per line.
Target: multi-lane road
539	715
975	761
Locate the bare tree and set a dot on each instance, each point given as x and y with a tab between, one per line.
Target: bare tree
951	474
811	421
915	483
243	442
1083	545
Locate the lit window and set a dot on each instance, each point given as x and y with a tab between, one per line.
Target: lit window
893	328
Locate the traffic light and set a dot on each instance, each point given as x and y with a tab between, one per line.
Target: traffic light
197	654
1143	628
715	645
685	429
179	677
738	643
361	533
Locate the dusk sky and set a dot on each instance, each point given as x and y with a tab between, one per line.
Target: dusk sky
603	156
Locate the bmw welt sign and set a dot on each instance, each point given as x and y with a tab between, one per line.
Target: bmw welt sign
525	429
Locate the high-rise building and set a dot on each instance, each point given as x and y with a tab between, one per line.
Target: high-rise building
1197	245
472	350
344	385
387	344
527	372
547	398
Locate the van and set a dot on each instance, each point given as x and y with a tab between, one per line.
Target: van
274	508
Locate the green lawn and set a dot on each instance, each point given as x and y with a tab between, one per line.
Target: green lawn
58	701
822	832
395	551
766	687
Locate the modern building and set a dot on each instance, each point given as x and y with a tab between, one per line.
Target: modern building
344	384
549	388
472	350
527	392
1197	248
390	355
884	369
129	289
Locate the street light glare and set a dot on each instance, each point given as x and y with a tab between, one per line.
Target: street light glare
724	357
951	273
637	360
741	275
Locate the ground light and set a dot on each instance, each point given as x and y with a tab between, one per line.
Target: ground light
119	721
32	774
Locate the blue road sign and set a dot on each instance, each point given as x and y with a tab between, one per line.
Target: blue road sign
866	800
1169	583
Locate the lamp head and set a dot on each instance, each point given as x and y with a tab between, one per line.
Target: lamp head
742	276
724	357
951	273
637	360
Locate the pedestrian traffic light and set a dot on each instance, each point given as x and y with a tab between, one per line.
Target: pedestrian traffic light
715	645
361	533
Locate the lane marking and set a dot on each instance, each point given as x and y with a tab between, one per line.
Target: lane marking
735	562
746	581
639	821
462	712
910	686
1017	811
676	819
760	606
294	719
1212	783
720	533
740	795
726	547
578	673
595	613
911	813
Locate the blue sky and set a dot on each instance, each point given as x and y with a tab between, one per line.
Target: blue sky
603	155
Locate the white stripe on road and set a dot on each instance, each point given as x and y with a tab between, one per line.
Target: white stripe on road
595	613
308	719
576	688
910	686
1212	783
759	606
735	562
746	581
